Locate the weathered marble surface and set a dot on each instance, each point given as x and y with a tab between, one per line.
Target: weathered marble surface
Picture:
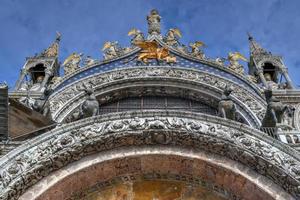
29	163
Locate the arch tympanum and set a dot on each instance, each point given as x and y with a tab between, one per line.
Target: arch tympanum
170	81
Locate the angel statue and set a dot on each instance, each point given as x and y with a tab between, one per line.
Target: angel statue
172	37
196	51
138	36
71	64
111	50
234	65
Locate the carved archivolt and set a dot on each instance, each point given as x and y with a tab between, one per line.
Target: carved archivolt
67	99
264	59
34	160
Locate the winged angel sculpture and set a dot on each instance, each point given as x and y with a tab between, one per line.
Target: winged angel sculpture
71	64
151	50
173	36
234	64
196	49
138	36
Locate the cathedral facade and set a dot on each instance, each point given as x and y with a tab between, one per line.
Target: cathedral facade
158	120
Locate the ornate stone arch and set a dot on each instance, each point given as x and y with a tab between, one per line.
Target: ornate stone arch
271	60
65	101
28	164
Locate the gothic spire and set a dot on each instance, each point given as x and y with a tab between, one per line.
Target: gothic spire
52	50
255	48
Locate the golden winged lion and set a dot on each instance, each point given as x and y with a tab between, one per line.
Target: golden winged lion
151	50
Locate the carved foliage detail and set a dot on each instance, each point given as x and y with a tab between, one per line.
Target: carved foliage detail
71	94
38	161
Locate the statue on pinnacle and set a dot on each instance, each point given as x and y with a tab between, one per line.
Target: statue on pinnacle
153	22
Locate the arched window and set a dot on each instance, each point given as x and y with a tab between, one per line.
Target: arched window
37	71
156	103
270	69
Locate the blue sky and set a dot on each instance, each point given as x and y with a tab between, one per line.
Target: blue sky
29	26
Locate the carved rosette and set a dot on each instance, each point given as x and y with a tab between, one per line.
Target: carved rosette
66	100
55	149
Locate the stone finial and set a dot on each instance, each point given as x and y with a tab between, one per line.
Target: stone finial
53	49
255	48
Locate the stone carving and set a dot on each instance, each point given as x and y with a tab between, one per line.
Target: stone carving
27	101
138	36
71	64
90	107
172	37
153	22
275	111
234	64
89	61
289	114
196	51
271	85
220	61
33	87
59	148
55	80
41	105
252	78
227	108
62	100
112	50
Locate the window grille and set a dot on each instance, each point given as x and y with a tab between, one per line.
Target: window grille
156	103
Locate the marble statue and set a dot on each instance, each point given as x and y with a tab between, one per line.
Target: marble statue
27	101
227	108
138	36
37	85
172	37
275	111
41	105
71	64
90	107
196	51
153	22
110	50
234	64
270	83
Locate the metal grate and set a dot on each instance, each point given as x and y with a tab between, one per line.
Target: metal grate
156	103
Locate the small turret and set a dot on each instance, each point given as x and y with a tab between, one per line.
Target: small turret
39	70
269	68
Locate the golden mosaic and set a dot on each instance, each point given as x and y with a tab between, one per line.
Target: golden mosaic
154	190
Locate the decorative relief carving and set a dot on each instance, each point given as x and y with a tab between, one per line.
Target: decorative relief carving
70	97
62	147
